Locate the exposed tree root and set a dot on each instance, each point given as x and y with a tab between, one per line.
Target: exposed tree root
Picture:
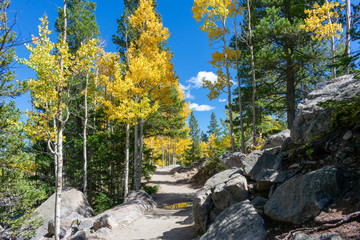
327	224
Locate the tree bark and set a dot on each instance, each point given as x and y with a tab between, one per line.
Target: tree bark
240	93
136	157
228	87
85	134
252	73
126	182
60	128
290	91
174	151
162	147
348	25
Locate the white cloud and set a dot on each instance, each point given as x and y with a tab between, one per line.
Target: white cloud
222	100
184	87
198	80
188	95
201	108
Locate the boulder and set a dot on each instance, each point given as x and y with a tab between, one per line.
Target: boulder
250	161
240	221
230	160
135	205
303	236
105	221
73	206
219	192
276	140
312	120
302	198
267	177
265	168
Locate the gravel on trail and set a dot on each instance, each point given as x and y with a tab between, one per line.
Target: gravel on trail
162	223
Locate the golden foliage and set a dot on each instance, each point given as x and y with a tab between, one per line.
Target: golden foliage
323	21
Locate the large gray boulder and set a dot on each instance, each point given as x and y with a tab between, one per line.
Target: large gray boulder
265	168
311	120
230	160
135	205
240	221
74	206
302	198
276	140
219	192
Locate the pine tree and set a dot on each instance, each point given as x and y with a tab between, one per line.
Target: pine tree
214	126
17	193
194	133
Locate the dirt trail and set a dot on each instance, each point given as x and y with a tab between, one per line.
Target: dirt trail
162	223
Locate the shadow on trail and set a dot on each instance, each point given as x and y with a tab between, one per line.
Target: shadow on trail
163	199
183	233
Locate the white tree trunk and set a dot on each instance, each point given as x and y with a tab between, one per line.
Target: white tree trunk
228	87
163	154
348	26
126	183
240	93
59	179
85	134
136	156
252	73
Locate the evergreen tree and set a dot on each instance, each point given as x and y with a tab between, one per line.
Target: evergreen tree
214	127
81	23
194	133
17	193
204	137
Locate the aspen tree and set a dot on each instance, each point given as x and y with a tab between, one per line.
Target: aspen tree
322	21
216	15
47	92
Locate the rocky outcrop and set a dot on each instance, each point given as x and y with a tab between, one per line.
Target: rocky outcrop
230	160
276	140
312	120
240	221
73	206
302	198
219	192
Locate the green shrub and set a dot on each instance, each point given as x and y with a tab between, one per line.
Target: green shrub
151	189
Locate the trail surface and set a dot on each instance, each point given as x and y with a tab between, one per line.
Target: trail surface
163	223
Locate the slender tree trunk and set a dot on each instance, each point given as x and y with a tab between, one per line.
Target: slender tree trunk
126	182
136	156
240	93
59	179
141	154
290	90
151	146
163	154
332	43
174	151
252	73
348	25
228	88
169	151
85	134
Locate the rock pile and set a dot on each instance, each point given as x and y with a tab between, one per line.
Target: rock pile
283	192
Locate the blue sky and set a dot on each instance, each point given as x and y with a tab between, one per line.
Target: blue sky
189	44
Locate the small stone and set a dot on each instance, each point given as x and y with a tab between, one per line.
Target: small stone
103	230
348	161
322	161
350	149
333	148
310	162
341	155
295	165
51	227
348	135
328	159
